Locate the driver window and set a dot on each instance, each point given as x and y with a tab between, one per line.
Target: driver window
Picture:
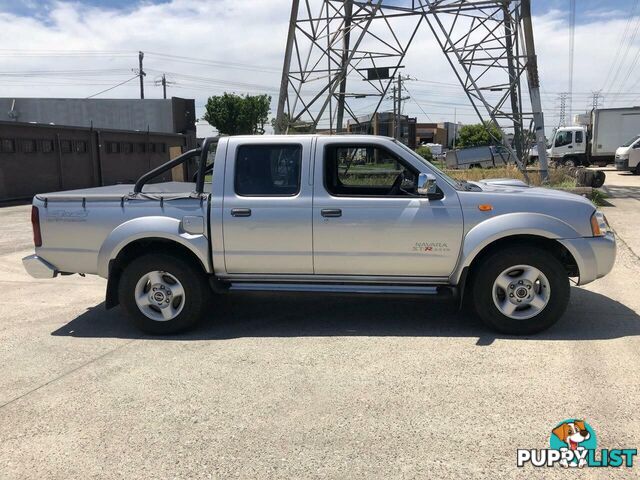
564	138
367	170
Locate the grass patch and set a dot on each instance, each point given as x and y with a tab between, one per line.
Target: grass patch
558	177
598	198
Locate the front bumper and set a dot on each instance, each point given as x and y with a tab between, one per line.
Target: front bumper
594	256
622	163
39	268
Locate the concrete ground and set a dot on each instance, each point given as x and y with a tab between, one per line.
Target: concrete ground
300	387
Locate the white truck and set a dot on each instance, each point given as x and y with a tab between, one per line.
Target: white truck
597	142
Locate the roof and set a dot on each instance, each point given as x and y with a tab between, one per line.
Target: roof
71	127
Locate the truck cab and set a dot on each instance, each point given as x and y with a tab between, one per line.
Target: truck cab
569	146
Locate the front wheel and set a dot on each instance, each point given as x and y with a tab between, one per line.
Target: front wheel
163	294
521	290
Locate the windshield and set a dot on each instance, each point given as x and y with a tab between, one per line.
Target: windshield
454	183
632	141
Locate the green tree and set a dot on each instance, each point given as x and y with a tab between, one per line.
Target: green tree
479	135
425	152
234	114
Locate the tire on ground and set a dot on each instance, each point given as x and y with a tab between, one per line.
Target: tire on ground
194	283
598	179
493	265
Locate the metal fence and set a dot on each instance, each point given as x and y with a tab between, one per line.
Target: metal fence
38	158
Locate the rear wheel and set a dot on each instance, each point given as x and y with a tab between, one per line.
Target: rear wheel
521	290
163	294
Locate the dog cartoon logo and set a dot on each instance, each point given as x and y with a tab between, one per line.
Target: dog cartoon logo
575	435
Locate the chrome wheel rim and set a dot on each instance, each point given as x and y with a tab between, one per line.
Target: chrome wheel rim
159	296
521	292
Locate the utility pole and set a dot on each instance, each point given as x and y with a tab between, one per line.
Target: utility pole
164	86
455	126
141	74
397	106
397	133
395	115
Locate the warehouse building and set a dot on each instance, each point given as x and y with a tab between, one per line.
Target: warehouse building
383	123
52	144
175	115
44	158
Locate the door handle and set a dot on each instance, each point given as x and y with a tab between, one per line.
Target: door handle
240	212
570	146
331	212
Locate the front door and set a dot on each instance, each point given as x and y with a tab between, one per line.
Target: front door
368	220
563	143
267	207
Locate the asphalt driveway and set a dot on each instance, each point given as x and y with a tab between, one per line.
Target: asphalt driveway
308	386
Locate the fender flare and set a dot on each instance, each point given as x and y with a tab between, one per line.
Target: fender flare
509	225
150	227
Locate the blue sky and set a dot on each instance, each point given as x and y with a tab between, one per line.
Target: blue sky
231	34
35	7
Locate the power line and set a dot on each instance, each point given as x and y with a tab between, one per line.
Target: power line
627	48
572	44
622	41
416	102
111	88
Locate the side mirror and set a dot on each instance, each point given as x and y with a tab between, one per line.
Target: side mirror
427	184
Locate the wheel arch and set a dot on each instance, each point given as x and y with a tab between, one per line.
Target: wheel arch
550	245
137	248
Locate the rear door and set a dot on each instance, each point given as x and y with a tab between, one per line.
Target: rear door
267	206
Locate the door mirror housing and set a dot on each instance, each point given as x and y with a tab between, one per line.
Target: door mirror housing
427	184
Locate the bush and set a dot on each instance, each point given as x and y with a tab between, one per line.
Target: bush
425	152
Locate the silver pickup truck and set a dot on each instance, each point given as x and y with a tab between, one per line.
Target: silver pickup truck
326	214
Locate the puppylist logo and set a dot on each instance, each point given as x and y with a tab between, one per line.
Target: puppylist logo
573	444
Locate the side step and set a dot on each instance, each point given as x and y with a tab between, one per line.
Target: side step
439	290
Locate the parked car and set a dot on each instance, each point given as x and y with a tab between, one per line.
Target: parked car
478	157
628	156
306	214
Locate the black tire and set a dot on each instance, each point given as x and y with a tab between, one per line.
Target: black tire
192	279
599	178
636	171
570	162
493	265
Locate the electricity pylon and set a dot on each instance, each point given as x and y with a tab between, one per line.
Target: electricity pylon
339	50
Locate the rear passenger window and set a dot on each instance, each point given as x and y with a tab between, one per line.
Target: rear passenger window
268	170
578	137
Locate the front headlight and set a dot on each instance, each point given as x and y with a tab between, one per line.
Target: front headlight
599	224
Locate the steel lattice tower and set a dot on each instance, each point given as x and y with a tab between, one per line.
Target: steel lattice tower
338	50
